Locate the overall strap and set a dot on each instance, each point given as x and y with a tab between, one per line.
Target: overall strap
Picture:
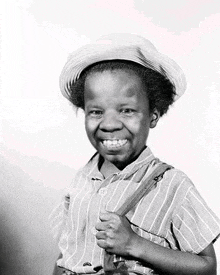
144	188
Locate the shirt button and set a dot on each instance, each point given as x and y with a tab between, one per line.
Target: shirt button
102	191
87	264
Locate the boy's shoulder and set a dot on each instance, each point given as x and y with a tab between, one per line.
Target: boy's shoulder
175	180
179	175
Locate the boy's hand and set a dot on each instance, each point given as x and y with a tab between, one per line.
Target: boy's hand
115	234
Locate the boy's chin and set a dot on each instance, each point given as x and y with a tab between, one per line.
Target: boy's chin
119	161
122	159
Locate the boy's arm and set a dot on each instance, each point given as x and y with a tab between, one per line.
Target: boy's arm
168	261
116	236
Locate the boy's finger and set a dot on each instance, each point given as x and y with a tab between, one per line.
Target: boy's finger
106	216
102	244
100	235
101	226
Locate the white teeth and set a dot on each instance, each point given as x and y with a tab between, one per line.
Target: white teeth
114	143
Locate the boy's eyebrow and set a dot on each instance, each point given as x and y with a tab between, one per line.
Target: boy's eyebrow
126	104
91	105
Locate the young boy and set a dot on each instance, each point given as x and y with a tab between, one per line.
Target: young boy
124	85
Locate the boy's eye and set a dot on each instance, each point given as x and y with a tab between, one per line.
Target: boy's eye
127	111
95	113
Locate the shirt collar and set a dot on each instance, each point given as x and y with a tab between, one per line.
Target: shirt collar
91	168
144	159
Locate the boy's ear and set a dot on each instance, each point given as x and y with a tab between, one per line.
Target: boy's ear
155	116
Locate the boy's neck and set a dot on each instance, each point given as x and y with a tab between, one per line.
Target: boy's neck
107	169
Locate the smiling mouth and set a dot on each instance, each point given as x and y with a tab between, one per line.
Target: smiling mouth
115	143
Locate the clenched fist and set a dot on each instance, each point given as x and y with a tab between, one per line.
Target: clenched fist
115	234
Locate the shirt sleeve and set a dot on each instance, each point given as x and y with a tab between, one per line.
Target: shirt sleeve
59	216
194	224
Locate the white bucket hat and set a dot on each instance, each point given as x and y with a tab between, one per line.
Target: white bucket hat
118	46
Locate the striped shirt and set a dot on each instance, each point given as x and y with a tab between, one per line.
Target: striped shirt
173	214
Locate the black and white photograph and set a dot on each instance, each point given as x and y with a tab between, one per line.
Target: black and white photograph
110	137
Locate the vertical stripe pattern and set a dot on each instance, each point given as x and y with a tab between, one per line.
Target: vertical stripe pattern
172	215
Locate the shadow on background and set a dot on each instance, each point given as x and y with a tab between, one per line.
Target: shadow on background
26	243
12	258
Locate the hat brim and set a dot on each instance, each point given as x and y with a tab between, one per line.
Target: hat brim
146	56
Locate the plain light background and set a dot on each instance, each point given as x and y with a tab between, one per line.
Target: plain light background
43	140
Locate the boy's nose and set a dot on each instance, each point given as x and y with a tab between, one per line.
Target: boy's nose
110	123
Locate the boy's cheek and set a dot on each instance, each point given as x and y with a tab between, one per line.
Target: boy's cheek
90	126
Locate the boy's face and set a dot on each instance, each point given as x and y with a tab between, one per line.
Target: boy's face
117	116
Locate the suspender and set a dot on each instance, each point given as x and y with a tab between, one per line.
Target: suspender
142	191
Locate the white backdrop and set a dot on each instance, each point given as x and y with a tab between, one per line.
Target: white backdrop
43	141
